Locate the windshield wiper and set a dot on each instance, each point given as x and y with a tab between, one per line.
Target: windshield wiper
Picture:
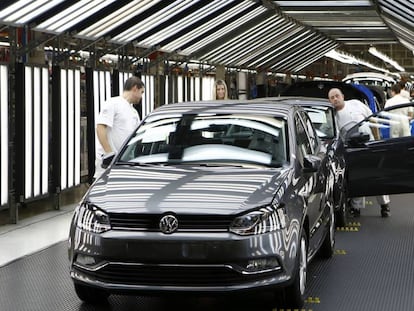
218	164
228	164
140	163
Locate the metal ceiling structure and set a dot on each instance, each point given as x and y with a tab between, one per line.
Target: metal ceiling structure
347	22
278	36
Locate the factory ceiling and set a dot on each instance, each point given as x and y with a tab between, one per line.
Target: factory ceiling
277	36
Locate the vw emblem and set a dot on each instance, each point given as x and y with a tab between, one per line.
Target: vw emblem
168	224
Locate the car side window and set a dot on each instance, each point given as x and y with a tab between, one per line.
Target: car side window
323	121
302	139
310	130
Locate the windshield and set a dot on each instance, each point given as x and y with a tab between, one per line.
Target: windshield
323	121
209	138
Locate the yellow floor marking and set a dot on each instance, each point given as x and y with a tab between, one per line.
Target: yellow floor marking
308	300
313	300
347	229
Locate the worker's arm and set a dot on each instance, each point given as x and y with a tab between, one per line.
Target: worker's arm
101	132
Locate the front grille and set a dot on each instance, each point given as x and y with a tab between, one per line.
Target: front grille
149	275
150	222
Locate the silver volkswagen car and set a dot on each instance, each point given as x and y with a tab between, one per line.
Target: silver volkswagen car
207	197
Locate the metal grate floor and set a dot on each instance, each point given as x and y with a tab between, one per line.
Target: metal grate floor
372	270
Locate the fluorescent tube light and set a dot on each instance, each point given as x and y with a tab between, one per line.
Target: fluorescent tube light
385	58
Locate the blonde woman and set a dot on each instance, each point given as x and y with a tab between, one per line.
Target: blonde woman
220	90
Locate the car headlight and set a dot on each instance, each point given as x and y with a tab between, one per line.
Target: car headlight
92	219
263	220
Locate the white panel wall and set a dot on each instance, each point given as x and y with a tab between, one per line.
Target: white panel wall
242	79
123	76
4	124
148	98
36	134
179	89
166	100
70	132
101	89
208	87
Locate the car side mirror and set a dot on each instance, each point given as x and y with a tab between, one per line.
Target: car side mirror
107	159
358	139
311	164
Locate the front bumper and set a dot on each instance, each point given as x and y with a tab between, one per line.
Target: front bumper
192	262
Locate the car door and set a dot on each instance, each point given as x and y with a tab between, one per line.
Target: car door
309	145
379	153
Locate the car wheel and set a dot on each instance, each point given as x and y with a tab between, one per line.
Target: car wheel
90	294
293	296
328	244
340	213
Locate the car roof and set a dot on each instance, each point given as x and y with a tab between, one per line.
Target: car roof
369	76
299	101
228	107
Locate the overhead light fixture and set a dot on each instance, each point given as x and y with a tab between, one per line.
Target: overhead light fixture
385	58
22	11
116	18
74	14
349	59
340	57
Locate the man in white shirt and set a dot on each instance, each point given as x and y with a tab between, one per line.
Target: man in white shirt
402	116
348	113
404	91
117	120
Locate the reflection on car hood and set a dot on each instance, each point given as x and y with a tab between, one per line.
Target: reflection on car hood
189	189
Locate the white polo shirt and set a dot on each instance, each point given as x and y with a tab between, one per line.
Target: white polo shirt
353	112
121	119
401	115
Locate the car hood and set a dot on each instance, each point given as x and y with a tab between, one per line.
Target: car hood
185	189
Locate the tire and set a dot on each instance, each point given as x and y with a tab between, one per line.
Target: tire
293	296
328	245
91	295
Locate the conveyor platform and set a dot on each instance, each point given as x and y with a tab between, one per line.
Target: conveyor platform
372	269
